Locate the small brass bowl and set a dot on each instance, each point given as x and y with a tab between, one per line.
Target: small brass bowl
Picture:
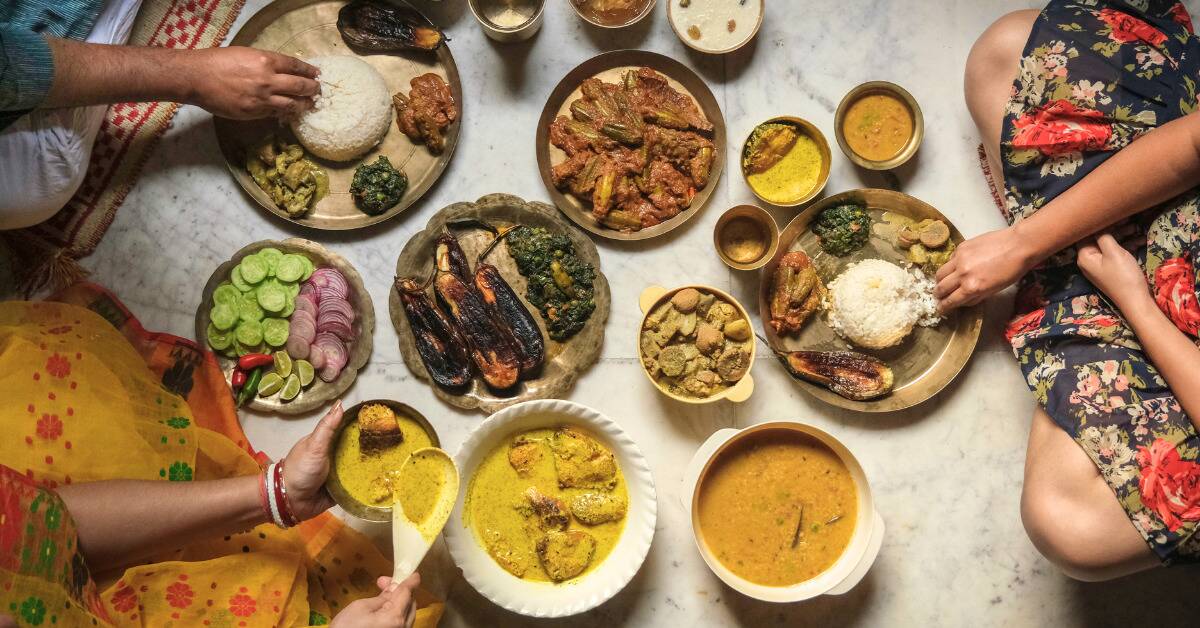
810	130
880	87
333	483
494	17
637	18
741	223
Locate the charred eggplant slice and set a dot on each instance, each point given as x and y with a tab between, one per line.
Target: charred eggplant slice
512	314
450	258
850	374
380	26
491	346
442	349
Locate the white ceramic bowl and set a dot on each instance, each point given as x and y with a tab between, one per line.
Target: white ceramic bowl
545	599
849	568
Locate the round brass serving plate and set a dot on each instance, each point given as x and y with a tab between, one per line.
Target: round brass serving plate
333	483
565	361
308	28
927	360
609	67
319	392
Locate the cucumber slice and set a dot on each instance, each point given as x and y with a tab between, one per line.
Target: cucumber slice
292	289
288	308
235	276
308	268
226	294
254	269
223	316
289	268
249	333
271	256
272	297
275	331
248	308
218	339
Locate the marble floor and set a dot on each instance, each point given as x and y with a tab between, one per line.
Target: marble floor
946	475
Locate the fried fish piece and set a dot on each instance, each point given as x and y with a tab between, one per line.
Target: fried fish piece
524	454
379	428
565	555
597	508
582	462
512	559
549	512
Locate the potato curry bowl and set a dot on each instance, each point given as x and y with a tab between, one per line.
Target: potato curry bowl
558	511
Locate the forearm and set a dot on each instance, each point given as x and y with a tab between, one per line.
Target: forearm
1171	351
1158	166
92	74
122	521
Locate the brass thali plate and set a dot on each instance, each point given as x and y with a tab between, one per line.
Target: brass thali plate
926	361
319	392
565	361
609	67
308	28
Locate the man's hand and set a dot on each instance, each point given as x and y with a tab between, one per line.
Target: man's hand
394	607
245	83
981	267
307	465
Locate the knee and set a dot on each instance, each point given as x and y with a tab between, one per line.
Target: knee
997	50
1068	533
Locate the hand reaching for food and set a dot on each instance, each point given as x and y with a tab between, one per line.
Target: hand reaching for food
244	83
981	267
307	465
394	607
1114	270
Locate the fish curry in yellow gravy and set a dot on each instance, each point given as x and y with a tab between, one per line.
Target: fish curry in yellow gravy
372	449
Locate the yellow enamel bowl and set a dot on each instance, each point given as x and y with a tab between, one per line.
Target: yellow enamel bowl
890	89
809	129
654	296
844	573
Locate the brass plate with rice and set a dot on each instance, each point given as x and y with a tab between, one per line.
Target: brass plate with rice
927	360
320	392
308	28
609	67
565	361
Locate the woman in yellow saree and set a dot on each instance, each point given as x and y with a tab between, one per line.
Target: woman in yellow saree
130	496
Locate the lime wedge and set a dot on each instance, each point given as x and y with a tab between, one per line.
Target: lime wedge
283	363
291	388
270	384
304	369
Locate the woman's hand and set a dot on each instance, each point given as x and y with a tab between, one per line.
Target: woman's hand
245	83
394	607
981	267
307	465
1114	270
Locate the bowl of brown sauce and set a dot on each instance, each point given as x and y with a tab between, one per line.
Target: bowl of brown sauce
878	125
612	13
746	237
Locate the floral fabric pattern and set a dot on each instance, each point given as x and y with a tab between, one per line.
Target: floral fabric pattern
1095	76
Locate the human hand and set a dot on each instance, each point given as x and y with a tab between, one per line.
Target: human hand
392	608
1114	270
246	83
307	465
981	267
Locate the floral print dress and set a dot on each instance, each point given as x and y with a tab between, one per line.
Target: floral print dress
1096	75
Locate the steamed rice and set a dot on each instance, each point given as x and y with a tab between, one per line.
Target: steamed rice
875	304
350	115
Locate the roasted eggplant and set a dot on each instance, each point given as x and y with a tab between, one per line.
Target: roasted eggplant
380	26
450	254
850	374
512	315
442	349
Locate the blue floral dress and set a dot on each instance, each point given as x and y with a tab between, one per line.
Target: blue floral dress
1095	75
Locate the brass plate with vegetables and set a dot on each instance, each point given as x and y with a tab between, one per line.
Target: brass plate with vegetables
309	28
920	366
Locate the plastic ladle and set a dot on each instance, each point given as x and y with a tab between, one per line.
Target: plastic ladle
411	539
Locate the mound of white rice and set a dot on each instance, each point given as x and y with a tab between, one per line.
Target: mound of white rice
350	115
875	304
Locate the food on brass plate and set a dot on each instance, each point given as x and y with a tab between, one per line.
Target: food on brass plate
695	344
777	507
850	374
716	25
512	314
442	348
381	26
426	111
926	243
796	293
782	162
877	126
549	504
352	112
611	12
843	229
637	150
295	184
560	284
367	473
377	186
743	240
876	304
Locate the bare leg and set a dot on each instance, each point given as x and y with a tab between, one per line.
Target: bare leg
991	67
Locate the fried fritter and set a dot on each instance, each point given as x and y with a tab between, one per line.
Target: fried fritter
565	555
582	462
597	508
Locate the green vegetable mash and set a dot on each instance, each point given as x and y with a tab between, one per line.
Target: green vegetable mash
377	186
560	284
294	183
843	229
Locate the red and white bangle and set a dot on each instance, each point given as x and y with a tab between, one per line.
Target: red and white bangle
269	481
286	514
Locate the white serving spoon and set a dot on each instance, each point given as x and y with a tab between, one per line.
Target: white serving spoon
411	539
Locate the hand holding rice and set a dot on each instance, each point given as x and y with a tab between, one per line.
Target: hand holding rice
875	304
350	115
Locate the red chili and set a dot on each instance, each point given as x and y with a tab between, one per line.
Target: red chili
251	361
239	378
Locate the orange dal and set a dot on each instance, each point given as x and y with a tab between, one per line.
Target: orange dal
750	504
878	126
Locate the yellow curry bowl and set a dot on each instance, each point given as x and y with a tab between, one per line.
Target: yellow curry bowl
889	89
724	236
654	296
334	484
817	137
844	573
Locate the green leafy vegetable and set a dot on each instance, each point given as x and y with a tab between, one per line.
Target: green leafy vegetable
377	186
561	285
843	229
